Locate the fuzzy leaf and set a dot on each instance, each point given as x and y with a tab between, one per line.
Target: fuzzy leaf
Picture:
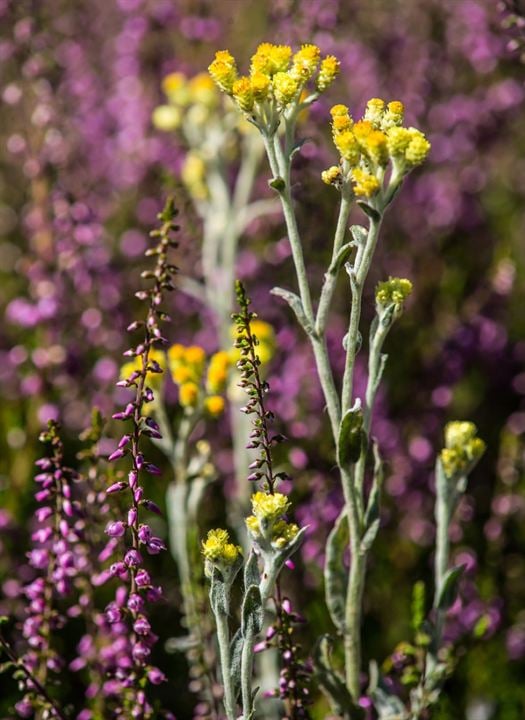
449	589
332	684
236	646
370	211
218	593
359	233
252	616
335	575
294	301
342	257
351	436
252	575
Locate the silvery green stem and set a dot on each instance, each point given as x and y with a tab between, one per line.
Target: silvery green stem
358	275
223	639
246	676
330	279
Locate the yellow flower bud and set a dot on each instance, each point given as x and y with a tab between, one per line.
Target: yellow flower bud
166	118
305	62
189	394
269	507
375	147
418	148
283	533
218	549
332	176
398	139
462	448
348	146
243	93
214	405
364	184
374	111
260	86
223	70
393	116
270	59
393	290
341	123
328	72
195	355
339	110
285	88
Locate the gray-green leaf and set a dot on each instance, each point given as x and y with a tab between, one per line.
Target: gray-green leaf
335	574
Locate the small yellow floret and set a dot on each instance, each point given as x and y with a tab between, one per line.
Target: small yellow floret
223	70
195	355
364	184
341	123
270	59
339	110
462	448
243	93
188	394
202	90
269	507
260	86
393	290
328	72
331	176
285	88
393	116
418	148
305	62
214	405
375	147
166	118
374	111
362	130
283	533
348	146
217	548
398	139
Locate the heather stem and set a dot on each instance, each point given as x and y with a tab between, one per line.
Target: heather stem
223	638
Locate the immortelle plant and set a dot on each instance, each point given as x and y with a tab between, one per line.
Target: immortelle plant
376	153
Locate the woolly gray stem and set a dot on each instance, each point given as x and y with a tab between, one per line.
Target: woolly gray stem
223	639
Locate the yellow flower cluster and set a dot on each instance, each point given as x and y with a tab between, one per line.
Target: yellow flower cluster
218	549
187	365
182	93
367	146
266	523
462	448
277	76
393	291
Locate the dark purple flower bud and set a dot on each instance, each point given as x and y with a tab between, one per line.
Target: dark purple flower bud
138	495
42	495
253	477
135	602
132	516
142	626
156	676
43	477
140	652
152	507
290	564
140	461
124	440
115	529
108	551
67	507
154	594
24	708
286	606
155	546
66	491
116	487
144	533
133	558
38	558
116	455
148	395
142	578
43	513
152	469
118	569
133	479
113	613
42	535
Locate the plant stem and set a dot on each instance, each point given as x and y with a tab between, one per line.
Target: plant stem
246	675
223	638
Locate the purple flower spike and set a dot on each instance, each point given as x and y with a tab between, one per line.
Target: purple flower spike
152	507
133	558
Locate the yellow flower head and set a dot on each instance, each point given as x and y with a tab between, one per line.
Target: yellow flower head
189	394
195	355
362	130
243	94
393	291
202	90
260	86
218	549
339	110
348	146
214	405
375	147
271	59
218	372
374	111
398	139
166	118
341	123
283	533
364	184
332	176
328	72
418	148
305	62
223	70
285	88
462	448
393	116
175	88
269	507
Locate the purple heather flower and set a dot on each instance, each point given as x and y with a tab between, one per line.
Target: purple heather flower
116	529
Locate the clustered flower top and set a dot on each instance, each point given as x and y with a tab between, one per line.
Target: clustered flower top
368	146
279	80
462	448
